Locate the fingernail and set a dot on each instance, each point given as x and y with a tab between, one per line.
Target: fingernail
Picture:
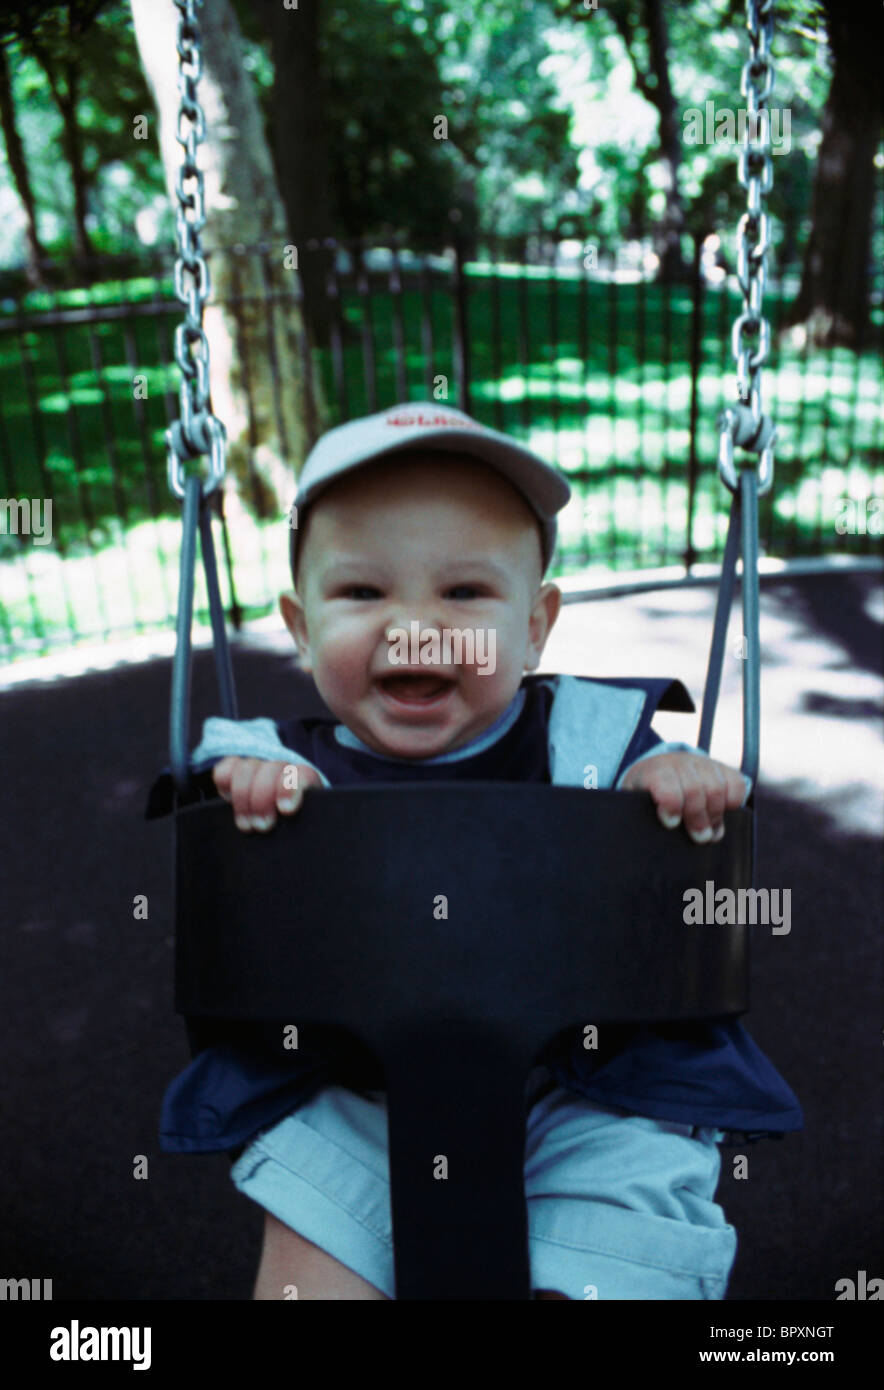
287	803
669	820
701	837
718	835
243	823
262	822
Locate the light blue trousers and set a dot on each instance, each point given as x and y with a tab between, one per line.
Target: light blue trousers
619	1206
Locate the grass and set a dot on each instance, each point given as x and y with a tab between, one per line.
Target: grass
595	376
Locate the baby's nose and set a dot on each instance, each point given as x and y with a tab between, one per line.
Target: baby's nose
413	621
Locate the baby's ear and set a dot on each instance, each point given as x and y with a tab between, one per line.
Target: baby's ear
543	617
293	617
288	604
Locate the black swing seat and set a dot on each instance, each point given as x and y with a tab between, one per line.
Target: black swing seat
453	929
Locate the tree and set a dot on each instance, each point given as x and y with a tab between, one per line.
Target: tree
55	36
833	300
92	205
368	85
509	136
348	117
299	143
34	251
653	82
384	90
243	210
642	27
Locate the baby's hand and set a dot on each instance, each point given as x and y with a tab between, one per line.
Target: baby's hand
688	784
258	789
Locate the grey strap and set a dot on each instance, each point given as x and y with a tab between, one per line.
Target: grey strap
742	535
195	515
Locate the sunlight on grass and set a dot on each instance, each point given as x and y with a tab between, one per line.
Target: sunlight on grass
599	385
131	585
61	402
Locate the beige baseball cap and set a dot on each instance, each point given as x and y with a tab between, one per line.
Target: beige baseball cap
433	427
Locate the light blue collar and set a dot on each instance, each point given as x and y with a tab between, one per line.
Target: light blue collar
485	739
590	728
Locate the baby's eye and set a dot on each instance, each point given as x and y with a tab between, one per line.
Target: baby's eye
468	590
360	591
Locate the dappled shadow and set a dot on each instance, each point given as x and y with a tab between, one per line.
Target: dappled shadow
837	610
92	1040
816	702
811	1209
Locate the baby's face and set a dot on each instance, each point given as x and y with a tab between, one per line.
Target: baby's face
444	543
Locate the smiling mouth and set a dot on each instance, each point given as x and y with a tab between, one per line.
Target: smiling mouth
415	690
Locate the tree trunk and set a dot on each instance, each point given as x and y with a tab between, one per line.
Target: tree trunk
262	382
18	166
300	149
833	301
73	148
669	234
66	101
655	87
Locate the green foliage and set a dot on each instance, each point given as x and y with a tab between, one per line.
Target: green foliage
508	126
707	47
82	52
546	117
391	70
383	93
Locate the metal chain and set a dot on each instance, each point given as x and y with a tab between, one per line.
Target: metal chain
745	424
198	431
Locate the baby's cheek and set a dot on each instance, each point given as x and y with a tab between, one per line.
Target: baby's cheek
342	664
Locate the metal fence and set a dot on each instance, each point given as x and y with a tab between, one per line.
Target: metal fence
612	375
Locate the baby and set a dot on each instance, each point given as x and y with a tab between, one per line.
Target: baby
442	541
418	523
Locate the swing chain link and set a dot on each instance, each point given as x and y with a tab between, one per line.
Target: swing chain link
744	424
198	431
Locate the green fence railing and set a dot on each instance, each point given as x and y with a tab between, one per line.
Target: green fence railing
593	367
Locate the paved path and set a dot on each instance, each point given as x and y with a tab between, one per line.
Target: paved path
85	991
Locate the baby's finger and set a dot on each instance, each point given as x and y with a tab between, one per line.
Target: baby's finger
716	780
262	796
737	788
665	787
291	781
222	773
697	821
241	791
